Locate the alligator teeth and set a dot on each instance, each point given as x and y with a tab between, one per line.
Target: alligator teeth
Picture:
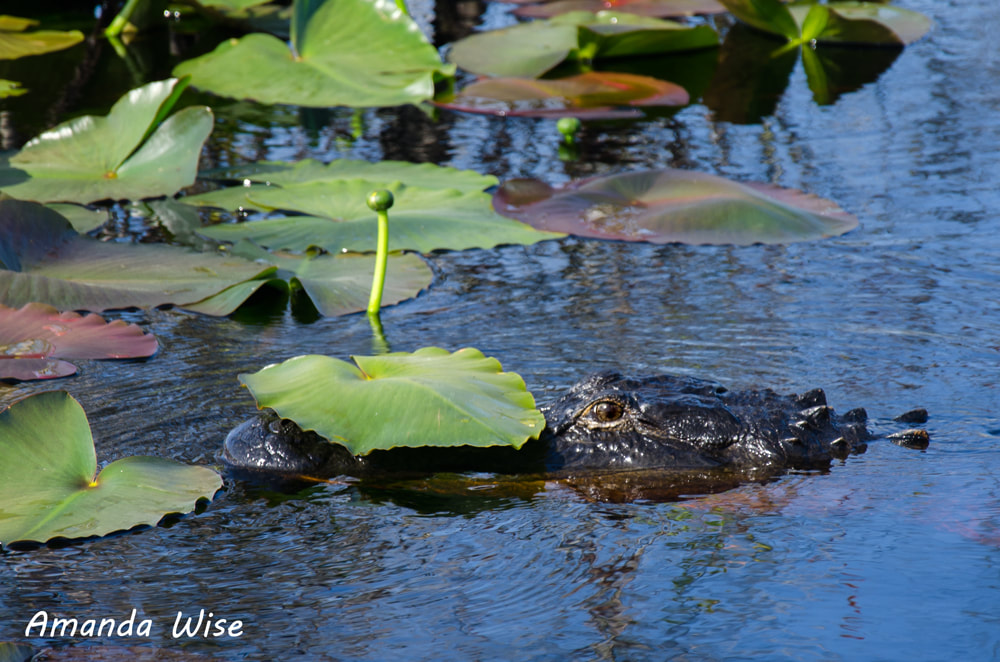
817	416
813	398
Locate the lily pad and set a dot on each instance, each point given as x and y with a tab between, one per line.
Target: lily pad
50	488
343	53
16	41
654	8
34	337
128	154
340	284
428	398
11	88
529	50
42	259
665	206
861	23
256	176
597	94
421	219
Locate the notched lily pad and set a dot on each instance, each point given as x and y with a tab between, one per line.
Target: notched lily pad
665	206
34	337
858	23
596	94
131	153
42	259
50	488
528	50
343	53
431	397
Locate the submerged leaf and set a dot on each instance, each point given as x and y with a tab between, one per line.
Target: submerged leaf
664	206
126	154
50	488
428	398
343	53
42	259
528	50
33	337
597	93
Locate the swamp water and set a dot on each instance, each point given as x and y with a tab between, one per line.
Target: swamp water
894	554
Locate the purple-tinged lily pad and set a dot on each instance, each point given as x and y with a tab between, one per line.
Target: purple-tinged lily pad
654	8
666	206
34	337
596	94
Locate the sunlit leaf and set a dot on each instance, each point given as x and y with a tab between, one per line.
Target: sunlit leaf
664	206
10	88
529	50
340	284
127	154
593	92
428	398
654	8
42	259
16	41
50	488
343	53
421	219
35	336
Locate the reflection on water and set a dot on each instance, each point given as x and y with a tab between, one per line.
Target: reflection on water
899	313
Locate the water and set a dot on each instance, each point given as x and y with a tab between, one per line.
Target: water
891	555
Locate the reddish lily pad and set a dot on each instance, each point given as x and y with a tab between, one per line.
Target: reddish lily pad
666	206
34	337
653	8
595	93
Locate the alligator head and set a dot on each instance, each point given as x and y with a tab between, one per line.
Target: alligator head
611	422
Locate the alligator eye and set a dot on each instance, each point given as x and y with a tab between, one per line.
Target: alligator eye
607	411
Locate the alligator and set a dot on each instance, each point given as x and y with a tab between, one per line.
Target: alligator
605	423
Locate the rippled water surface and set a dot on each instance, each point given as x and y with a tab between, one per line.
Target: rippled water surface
894	554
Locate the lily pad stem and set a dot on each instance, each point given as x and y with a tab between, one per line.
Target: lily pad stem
121	20
402	6
379	202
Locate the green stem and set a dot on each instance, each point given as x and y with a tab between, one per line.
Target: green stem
402	6
121	20
381	257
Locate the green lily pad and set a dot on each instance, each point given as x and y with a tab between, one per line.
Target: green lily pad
528	50
340	284
258	175
16	42
861	23
343	53
11	88
43	259
428	398
34	337
421	219
50	488
128	154
597	94
665	206
654	8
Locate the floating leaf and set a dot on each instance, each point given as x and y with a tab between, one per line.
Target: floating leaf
381	174
94	158
596	93
422	219
528	50
42	259
16	42
49	486
340	284
862	23
654	8
34	337
428	398
663	206
343	53
10	88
